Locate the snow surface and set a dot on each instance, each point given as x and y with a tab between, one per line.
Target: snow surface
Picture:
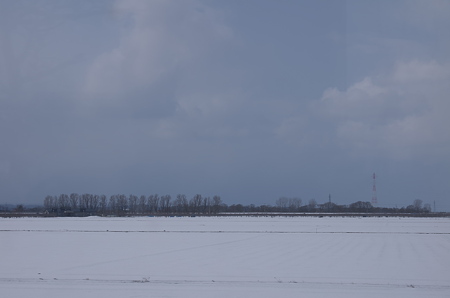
225	257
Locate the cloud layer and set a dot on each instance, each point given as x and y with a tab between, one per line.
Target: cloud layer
401	114
250	101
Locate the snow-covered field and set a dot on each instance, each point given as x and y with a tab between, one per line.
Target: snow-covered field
224	257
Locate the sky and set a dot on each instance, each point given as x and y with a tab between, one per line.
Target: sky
250	100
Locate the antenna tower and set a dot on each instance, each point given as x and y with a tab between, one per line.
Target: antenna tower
374	191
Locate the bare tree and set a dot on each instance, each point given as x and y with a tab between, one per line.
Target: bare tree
312	205
48	203
295	204
195	203
153	203
74	198
63	202
165	203
113	203
182	203
122	204
417	205
142	205
178	203
102	204
132	204
282	203
360	206
206	205
93	203
84	202
217	201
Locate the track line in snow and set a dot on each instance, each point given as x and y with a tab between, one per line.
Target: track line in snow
159	253
211	282
229	232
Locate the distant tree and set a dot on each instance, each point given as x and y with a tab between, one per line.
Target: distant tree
427	208
54	204
410	208
48	203
206	205
133	204
186	205
142	205
103	204
236	208
113	204
153	203
63	202
122	204
195	203
282	203
181	204
73	199
165	203
217	201
329	207
19	208
295	204
84	202
312	205
360	206
93	203
417	205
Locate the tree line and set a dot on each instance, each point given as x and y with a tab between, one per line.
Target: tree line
123	205
284	204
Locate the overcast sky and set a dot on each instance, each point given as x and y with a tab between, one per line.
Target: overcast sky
250	100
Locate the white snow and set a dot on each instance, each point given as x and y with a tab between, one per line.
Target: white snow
225	257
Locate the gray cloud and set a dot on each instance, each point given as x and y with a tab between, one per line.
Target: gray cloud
160	41
401	114
223	97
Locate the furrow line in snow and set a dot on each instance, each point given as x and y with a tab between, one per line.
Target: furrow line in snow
229	282
230	232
